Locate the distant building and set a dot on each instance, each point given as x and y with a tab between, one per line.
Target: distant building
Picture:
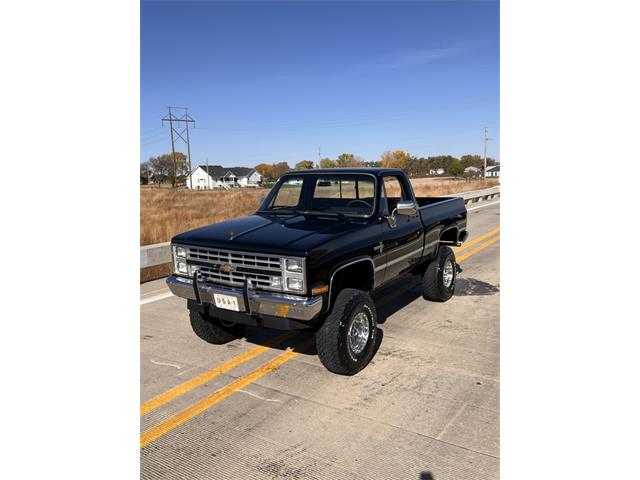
493	171
216	176
472	170
436	171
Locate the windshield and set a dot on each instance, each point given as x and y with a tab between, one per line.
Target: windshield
350	195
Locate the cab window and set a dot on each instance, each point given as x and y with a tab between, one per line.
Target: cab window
392	192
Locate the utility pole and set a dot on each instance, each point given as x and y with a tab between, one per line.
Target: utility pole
486	139
186	127
175	131
208	176
318	157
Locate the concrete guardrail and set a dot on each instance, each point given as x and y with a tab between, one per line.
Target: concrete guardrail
160	253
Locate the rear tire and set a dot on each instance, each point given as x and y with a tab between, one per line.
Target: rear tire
346	340
211	330
439	280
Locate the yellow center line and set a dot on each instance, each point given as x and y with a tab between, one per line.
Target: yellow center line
477	249
189	385
208	402
476	240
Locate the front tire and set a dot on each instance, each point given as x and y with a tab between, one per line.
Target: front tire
346	340
212	330
439	280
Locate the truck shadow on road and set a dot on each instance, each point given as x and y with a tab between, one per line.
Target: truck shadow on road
300	341
389	300
473	286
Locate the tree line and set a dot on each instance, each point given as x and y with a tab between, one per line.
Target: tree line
161	169
413	166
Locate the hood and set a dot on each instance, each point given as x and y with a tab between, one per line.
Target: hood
293	235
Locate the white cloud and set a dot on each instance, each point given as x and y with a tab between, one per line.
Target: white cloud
411	59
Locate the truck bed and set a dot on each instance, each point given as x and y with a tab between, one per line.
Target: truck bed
445	210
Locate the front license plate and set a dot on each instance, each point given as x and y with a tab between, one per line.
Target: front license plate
226	301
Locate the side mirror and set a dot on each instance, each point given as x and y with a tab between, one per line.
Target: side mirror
408	207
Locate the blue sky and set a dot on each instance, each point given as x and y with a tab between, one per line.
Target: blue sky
273	81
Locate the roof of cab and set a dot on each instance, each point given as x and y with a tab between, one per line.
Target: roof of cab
370	170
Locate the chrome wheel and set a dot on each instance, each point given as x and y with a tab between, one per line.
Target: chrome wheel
447	274
358	334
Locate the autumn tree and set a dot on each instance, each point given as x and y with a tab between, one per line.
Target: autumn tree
397	159
304	164
279	169
265	170
164	167
327	163
345	160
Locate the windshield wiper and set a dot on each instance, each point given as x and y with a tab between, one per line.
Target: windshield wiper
279	209
322	211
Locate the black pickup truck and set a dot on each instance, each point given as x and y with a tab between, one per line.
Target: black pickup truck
309	258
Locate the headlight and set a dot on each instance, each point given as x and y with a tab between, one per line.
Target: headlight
294	265
181	267
181	252
294	284
293	274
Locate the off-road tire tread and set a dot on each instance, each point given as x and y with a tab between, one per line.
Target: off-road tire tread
327	337
432	287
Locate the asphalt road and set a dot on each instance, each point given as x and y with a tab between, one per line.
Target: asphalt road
427	406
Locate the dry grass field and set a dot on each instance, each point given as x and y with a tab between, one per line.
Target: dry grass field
164	212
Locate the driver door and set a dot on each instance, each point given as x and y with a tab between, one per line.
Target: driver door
402	243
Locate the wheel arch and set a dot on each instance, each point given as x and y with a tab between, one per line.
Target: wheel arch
356	273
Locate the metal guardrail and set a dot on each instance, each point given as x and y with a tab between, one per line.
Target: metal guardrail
160	253
477	195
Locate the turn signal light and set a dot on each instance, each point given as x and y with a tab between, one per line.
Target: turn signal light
318	290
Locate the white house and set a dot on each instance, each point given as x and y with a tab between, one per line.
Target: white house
436	171
472	170
215	176
493	171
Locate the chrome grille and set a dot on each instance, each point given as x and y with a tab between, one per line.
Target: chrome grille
234	258
235	278
257	268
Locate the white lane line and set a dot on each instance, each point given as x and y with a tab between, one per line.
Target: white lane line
144	294
482	206
165	364
258	396
155	298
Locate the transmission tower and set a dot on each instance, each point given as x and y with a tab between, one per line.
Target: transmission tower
179	127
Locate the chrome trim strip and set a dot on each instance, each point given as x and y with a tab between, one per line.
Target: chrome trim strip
405	246
432	243
396	260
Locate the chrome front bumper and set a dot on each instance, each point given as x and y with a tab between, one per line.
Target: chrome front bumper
260	303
